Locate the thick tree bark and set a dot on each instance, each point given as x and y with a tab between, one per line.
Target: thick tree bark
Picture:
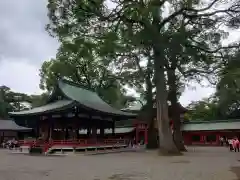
166	143
152	134
172	96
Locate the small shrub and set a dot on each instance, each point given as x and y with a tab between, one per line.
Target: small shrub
36	150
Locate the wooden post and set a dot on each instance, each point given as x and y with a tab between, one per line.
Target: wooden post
202	138
137	135
66	134
88	130
218	136
50	133
77	133
89	127
102	130
77	125
94	134
50	129
38	128
146	134
113	128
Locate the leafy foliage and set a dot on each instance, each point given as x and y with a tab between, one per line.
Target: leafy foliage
15	101
229	84
89	74
204	110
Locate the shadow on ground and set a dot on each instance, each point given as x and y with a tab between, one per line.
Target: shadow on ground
236	170
181	162
128	176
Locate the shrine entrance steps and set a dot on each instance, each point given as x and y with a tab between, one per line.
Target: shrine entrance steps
85	150
75	146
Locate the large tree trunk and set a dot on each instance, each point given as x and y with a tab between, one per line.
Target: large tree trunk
178	138
172	96
152	134
166	144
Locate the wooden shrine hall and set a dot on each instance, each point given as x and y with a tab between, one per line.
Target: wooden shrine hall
70	109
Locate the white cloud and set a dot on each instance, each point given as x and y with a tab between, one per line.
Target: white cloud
20	76
195	93
24	44
22	31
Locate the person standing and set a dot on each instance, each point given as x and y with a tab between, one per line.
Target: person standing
236	144
221	141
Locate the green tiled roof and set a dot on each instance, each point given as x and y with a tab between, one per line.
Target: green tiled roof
109	131
208	126
89	99
55	106
76	96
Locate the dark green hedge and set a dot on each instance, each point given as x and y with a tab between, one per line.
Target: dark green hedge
36	150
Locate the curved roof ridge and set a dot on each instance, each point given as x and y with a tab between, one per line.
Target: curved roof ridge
89	99
66	81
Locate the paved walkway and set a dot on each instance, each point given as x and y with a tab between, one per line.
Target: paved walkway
200	163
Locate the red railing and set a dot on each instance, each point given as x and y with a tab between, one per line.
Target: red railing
73	143
80	142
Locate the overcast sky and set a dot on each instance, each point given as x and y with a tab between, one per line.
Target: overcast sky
24	45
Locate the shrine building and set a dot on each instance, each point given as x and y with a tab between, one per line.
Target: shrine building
71	109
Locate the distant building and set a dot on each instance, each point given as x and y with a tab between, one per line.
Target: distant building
209	132
9	129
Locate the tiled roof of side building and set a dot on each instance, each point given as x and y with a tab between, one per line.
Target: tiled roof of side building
10	125
55	106
211	125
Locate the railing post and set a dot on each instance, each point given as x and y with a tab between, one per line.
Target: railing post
146	135
137	136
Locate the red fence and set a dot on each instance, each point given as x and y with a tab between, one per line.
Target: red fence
80	142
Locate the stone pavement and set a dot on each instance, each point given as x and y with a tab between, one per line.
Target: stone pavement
199	163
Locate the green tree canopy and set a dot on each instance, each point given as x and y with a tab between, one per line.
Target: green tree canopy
89	74
204	110
228	87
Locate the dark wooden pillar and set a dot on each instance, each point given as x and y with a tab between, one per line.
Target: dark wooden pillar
94	129
62	130
146	134
202	138
66	133
89	127
77	133
102	131
102	128
51	127
88	131
137	134
113	128
37	130
3	135
77	126
94	132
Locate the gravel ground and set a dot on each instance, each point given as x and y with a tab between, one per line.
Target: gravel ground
199	163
